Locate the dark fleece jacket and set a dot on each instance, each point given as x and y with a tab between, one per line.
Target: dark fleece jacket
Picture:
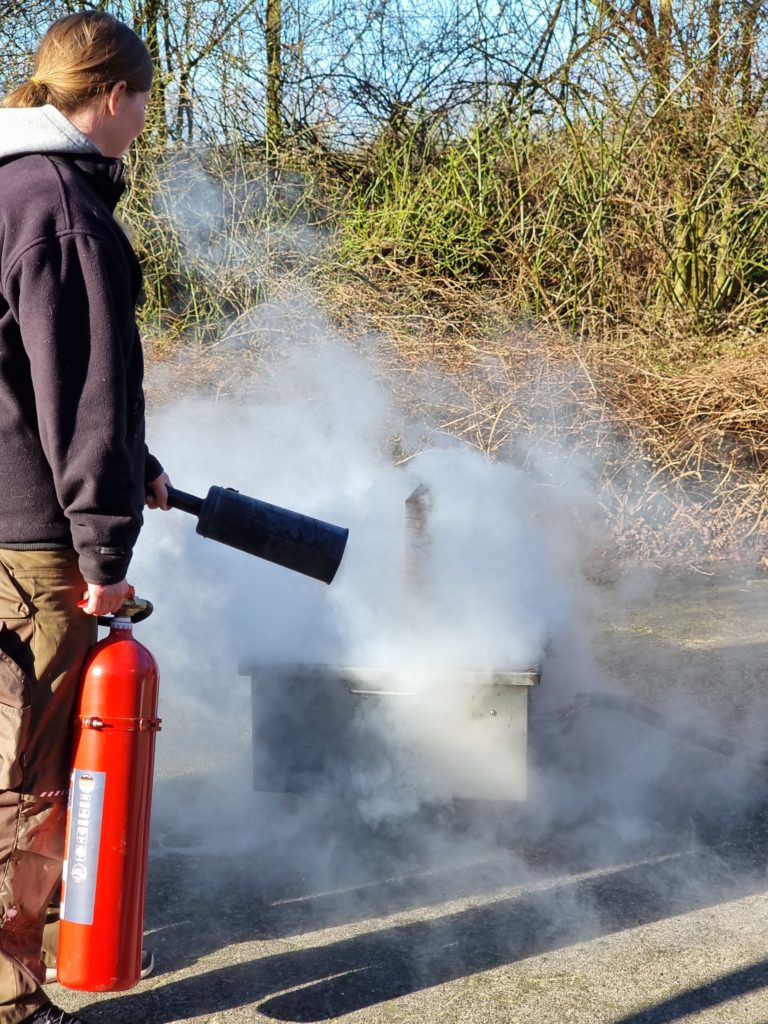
73	462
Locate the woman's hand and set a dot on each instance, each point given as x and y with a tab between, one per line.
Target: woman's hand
105	599
157	492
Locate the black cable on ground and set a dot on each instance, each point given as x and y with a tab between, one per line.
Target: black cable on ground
567	715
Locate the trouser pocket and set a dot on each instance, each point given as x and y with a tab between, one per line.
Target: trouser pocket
16	667
14	717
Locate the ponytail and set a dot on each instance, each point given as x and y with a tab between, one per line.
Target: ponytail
79	59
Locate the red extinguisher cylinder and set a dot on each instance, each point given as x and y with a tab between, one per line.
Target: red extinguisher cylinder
107	837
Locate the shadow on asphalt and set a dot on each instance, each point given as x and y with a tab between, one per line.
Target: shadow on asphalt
340	977
705	997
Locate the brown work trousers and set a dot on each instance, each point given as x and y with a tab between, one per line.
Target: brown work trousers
44	637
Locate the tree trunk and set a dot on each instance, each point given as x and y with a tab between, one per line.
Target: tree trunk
274	31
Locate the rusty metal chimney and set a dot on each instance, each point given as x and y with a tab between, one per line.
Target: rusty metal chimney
418	506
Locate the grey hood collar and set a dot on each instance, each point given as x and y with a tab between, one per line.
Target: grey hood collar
40	130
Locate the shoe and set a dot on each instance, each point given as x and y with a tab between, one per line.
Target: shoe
147	967
50	1014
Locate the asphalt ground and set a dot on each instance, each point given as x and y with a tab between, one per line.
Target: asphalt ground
631	889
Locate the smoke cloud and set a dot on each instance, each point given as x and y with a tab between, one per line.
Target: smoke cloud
429	614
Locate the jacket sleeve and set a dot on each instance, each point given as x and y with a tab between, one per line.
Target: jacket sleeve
75	311
152	466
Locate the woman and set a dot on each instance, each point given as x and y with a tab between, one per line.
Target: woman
73	463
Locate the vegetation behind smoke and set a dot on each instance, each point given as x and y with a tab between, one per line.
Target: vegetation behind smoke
560	206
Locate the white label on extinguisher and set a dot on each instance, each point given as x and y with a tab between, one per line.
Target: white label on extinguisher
86	803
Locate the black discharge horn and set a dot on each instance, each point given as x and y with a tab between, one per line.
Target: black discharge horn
295	541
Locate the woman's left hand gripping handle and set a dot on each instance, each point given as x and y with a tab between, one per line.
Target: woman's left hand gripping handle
105	599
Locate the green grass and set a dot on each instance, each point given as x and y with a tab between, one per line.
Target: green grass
608	220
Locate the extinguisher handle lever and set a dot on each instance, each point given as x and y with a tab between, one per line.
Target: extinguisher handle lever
134	608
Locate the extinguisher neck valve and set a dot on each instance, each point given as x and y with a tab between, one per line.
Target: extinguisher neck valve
120	623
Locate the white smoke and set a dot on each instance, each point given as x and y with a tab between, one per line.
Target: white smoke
430	617
235	223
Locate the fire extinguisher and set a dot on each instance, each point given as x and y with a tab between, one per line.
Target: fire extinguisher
107	836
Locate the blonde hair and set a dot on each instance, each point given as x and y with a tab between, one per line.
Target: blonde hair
79	59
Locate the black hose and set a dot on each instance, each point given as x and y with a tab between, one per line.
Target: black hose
629	706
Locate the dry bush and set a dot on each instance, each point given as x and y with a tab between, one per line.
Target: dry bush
679	456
